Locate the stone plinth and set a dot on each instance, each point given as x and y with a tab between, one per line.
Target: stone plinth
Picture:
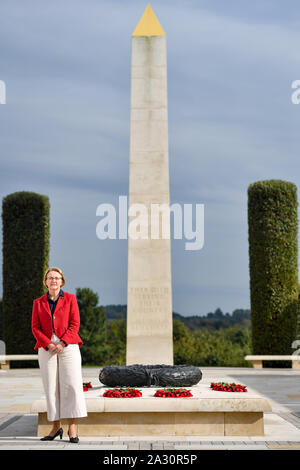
207	413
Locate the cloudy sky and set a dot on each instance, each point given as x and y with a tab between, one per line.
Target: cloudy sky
64	129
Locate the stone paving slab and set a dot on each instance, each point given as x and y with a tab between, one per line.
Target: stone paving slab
142	443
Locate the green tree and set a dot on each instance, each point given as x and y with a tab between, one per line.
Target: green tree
222	348
183	343
116	343
225	347
92	327
25	218
273	261
1	322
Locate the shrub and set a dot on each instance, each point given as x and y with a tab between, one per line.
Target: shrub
273	262
25	258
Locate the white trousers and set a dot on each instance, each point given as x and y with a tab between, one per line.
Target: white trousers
62	381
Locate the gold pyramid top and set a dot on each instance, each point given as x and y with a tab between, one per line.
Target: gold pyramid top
148	24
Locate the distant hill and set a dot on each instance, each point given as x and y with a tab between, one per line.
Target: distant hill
210	321
115	312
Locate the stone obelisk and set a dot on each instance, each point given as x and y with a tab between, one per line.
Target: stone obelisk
149	296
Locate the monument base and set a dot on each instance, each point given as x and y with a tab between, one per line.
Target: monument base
164	424
207	413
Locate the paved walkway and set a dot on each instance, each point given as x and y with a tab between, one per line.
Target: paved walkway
19	388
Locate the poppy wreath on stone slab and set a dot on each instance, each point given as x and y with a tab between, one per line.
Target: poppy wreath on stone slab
228	387
122	393
86	386
173	393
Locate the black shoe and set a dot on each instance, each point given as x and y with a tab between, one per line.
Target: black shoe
50	438
74	440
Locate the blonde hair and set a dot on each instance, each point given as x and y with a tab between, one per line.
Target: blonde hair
59	271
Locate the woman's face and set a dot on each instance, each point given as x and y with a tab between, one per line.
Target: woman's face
53	280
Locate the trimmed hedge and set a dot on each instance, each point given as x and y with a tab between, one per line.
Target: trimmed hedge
273	263
1	323
298	321
25	258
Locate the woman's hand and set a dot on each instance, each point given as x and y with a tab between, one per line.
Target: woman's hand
52	348
59	347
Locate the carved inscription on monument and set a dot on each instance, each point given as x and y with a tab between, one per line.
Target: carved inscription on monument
149	304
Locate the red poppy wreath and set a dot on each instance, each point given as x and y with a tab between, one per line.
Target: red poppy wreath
86	386
228	387
173	393
122	393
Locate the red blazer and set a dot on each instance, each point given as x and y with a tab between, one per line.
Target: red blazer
66	320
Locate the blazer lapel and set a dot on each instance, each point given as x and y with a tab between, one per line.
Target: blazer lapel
60	304
46	304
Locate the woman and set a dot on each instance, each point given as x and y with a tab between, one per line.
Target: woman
55	325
